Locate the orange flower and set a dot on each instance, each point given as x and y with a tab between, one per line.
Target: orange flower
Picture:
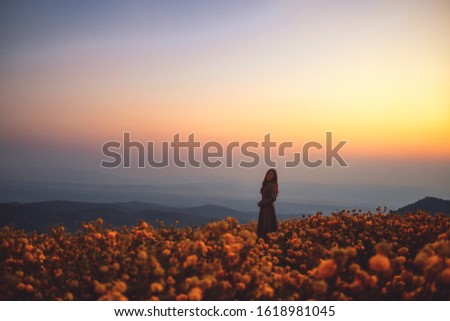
156	287
246	279
403	251
320	287
195	294
190	260
351	251
207	282
231	221
379	263
21	286
228	238
28	256
99	288
267	290
445	276
201	246
143	224
226	261
142	255
103	269
112	235
181	297
326	269
240	286
120	286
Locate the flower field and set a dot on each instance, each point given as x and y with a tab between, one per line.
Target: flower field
346	256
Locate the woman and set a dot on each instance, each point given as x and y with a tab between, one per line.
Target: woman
267	221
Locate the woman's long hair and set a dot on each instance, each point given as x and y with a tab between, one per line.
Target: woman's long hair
274	180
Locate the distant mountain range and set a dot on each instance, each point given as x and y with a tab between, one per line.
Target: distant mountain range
40	215
432	205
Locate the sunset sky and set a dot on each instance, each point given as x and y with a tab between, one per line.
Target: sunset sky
74	75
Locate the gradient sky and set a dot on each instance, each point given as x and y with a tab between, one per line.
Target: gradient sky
74	75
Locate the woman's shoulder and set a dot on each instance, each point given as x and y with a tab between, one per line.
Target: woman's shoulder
271	185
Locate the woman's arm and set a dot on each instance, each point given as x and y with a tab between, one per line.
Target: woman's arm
271	199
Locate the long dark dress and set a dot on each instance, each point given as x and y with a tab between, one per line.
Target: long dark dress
267	221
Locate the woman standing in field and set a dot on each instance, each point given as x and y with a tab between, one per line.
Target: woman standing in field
267	221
